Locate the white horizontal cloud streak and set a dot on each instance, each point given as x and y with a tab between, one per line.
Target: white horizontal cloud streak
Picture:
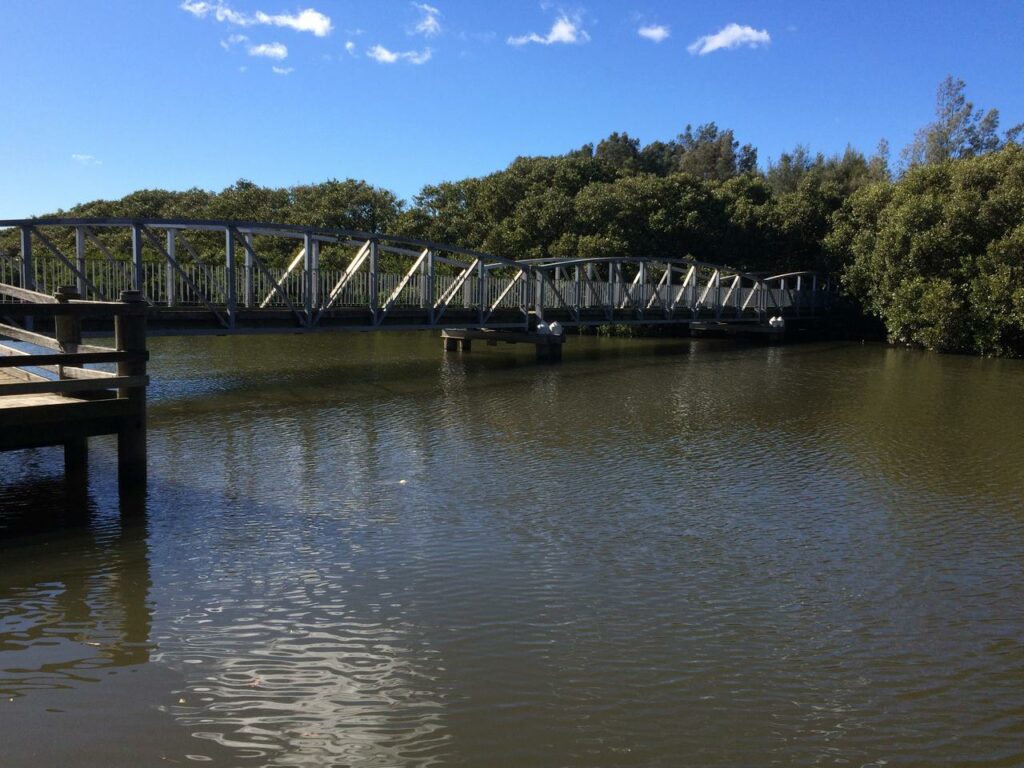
269	51
430	24
654	32
282	70
382	55
85	159
730	36
564	30
307	20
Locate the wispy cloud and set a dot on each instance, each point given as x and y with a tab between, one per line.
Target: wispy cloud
382	55
307	20
351	48
565	30
430	24
232	41
654	32
730	36
269	51
86	159
282	70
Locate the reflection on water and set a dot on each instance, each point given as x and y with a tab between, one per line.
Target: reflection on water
360	552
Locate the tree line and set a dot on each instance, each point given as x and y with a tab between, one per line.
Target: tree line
934	249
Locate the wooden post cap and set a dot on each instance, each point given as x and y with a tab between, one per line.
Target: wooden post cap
66	293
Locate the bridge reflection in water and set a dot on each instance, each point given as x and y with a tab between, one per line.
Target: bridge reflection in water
222	275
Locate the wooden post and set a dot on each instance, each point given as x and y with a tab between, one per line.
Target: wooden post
130	336
68	334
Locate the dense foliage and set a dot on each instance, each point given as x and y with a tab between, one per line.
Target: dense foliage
939	255
936	253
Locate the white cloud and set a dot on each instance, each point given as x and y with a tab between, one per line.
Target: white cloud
730	36
429	25
564	30
654	32
282	70
351	48
232	41
85	159
382	55
307	20
270	51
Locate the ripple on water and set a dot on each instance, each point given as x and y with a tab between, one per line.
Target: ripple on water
750	556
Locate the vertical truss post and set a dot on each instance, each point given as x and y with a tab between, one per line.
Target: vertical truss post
230	297
643	290
80	259
718	294
481	289
307	277
314	277
670	304
172	278
374	278
613	298
588	290
138	276
579	290
799	288
814	293
249	292
538	296
28	269
429	286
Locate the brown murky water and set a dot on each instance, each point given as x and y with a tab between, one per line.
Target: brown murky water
355	551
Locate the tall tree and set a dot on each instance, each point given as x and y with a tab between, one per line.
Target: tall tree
959	129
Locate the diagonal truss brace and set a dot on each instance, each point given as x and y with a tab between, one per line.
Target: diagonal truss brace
299	258
401	286
512	284
262	268
67	262
446	297
358	260
148	234
574	311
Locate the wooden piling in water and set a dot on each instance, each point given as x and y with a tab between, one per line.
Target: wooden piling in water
130	336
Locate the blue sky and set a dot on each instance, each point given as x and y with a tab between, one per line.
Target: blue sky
102	97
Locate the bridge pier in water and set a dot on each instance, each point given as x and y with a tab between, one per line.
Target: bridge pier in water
548	346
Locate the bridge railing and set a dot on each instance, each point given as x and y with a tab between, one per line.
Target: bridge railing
231	268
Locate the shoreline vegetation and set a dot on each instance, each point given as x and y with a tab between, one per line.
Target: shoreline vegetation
933	249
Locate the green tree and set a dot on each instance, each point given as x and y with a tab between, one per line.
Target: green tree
959	129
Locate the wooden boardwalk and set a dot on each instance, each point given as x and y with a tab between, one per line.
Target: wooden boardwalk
52	398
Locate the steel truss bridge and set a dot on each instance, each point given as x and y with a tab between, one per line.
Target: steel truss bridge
216	275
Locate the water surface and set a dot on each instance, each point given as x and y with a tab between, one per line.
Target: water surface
358	551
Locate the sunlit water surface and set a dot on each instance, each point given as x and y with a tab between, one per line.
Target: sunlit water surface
358	551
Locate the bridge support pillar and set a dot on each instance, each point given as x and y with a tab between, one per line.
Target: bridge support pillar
457	345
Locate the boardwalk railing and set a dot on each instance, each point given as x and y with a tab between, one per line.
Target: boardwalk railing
224	269
33	382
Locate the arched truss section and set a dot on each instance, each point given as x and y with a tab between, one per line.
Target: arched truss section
231	274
